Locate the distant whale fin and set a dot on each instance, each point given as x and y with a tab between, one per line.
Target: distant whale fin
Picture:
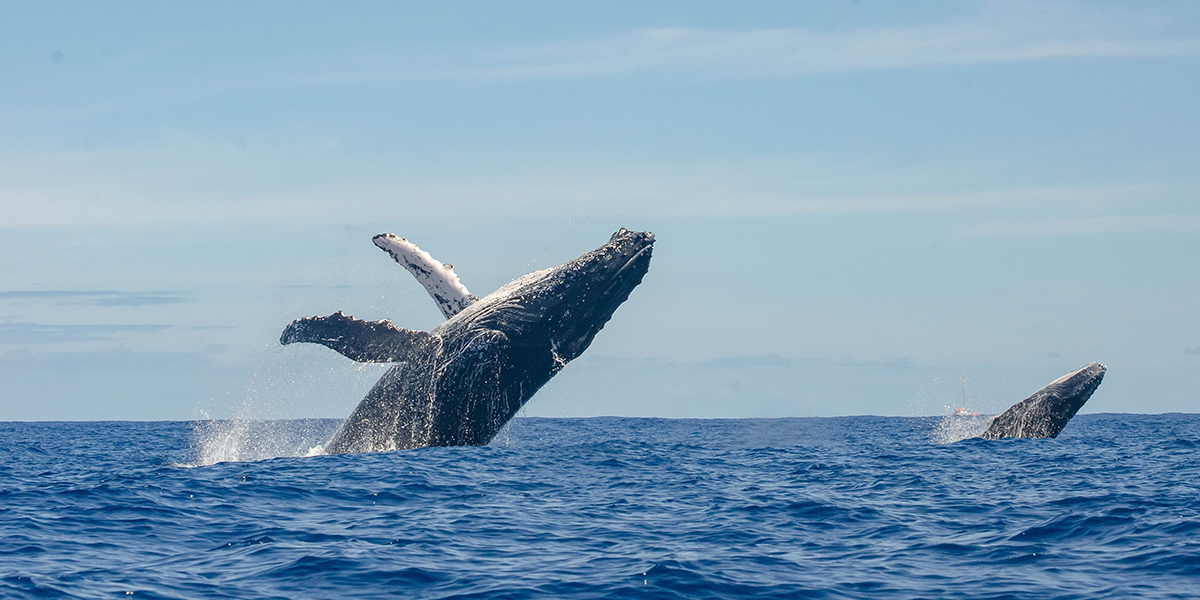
439	280
363	341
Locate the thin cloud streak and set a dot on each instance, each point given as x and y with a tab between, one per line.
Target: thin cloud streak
630	196
797	52
37	333
137	186
95	298
1001	33
1114	224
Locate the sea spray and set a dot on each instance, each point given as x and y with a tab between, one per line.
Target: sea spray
960	424
246	440
286	383
966	408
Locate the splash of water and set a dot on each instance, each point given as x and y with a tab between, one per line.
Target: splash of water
285	382
244	440
960	424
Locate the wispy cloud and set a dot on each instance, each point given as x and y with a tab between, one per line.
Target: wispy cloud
95	298
1000	32
997	32
1113	224
37	333
675	188
143	185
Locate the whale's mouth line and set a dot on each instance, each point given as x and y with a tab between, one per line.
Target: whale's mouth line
600	308
633	258
625	267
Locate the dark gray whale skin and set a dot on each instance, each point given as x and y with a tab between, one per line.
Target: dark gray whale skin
1046	412
460	383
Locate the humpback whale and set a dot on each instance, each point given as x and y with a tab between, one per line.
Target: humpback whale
1046	412
461	382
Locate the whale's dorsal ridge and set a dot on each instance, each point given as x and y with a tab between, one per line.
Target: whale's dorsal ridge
439	279
362	341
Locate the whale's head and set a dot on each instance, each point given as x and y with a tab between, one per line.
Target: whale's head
591	287
1076	387
564	307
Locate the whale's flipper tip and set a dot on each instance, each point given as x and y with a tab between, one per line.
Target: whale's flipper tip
362	341
439	279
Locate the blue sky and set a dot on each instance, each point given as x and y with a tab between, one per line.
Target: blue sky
857	204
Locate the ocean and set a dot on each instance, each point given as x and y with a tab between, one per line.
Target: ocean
850	507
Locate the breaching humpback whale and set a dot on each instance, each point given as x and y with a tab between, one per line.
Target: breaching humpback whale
1046	412
460	383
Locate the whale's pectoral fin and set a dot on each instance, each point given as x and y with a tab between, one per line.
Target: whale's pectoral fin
363	341
439	279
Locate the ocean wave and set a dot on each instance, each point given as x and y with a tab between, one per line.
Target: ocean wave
603	508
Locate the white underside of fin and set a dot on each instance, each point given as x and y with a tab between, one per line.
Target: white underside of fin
439	279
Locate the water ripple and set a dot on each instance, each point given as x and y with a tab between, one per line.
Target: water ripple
605	508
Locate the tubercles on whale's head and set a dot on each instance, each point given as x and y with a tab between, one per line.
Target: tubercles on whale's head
1084	376
591	287
1080	383
561	309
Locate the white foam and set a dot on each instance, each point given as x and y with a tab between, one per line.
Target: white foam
247	440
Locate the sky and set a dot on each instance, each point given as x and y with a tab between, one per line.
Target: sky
860	207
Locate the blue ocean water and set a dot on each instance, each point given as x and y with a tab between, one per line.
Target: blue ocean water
855	507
